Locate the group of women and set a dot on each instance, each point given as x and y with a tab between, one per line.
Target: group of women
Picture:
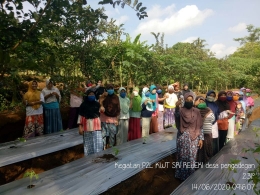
42	110
205	125
106	119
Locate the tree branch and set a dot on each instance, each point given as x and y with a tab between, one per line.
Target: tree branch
33	27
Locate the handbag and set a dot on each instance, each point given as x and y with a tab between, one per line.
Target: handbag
223	124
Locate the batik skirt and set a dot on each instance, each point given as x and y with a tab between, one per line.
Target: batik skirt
187	150
92	141
33	126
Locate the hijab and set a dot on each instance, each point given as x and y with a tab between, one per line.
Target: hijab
145	89
213	106
232	105
89	109
32	95
204	112
111	104
222	105
190	119
124	102
149	105
136	102
161	94
153	97
99	91
185	91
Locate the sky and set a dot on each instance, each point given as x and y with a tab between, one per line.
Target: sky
216	21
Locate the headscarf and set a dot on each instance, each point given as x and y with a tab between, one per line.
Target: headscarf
136	102
222	105
145	89
213	106
232	105
161	94
170	87
190	119
149	104
205	111
49	81
32	95
153	97
89	109
111	104
124	102
99	91
185	91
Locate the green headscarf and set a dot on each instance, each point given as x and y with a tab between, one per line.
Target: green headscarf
136	102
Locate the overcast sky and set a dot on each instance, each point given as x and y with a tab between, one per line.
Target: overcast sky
216	21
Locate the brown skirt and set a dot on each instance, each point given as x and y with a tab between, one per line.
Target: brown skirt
206	152
153	125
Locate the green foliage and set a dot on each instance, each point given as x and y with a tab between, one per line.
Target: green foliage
141	14
21	139
31	174
115	150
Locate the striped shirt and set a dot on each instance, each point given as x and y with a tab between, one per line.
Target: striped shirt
207	124
89	124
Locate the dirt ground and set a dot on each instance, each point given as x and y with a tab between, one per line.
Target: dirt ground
150	181
12	124
40	164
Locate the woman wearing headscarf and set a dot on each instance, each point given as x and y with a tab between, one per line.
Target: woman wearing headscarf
161	99
134	131
250	100
90	124
123	124
33	100
231	118
224	108
169	105
210	101
146	112
176	89
154	98
75	102
243	90
241	99
189	138
110	111
185	89
52	116
206	152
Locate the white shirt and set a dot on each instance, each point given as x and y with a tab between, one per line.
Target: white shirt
30	111
75	101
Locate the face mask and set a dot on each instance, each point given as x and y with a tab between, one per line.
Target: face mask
110	91
240	98
229	98
91	98
135	93
188	105
159	91
202	105
247	94
210	98
123	94
235	98
222	98
147	94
